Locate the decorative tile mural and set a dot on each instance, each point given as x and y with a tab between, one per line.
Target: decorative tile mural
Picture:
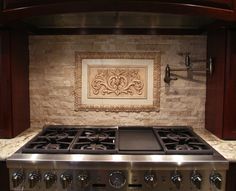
117	81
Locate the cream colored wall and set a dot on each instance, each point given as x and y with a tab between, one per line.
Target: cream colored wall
52	64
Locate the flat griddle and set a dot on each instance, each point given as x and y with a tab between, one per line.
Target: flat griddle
136	140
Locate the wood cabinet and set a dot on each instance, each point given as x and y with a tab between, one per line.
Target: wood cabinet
227	4
230	177
14	85
4	174
23	9
221	86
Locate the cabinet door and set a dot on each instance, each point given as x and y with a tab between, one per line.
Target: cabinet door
14	83
229	131
4	174
216	48
230	178
5	86
19	82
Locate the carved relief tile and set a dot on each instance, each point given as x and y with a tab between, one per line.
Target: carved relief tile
117	81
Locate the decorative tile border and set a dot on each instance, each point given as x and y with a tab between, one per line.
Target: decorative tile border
117	81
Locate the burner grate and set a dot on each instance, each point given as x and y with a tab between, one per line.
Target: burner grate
182	140
104	140
96	140
52	140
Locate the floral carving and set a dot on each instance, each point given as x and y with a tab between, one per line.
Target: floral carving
117	81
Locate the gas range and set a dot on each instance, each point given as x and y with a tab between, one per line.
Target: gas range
117	158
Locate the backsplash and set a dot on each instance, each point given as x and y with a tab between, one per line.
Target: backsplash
52	64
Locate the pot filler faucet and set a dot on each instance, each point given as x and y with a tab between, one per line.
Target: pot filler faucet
188	64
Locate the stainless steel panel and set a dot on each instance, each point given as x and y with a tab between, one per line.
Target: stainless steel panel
99	180
117	161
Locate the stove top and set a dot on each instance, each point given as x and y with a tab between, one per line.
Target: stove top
120	140
89	158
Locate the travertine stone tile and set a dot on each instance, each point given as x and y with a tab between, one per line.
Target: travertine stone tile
52	64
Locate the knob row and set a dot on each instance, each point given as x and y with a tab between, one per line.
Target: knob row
116	179
196	179
176	178
49	179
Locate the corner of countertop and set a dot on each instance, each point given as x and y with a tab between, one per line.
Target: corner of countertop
10	146
227	148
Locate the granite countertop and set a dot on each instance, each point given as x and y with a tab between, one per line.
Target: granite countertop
9	146
226	148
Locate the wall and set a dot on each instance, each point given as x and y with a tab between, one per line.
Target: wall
52	64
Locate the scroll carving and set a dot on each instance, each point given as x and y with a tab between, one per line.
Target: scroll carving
117	81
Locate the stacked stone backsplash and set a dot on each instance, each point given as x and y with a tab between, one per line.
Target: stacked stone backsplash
52	65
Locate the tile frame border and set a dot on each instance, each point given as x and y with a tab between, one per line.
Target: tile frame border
155	56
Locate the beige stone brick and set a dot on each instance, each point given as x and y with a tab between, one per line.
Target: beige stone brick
52	64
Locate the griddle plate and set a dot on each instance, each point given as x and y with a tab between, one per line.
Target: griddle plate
138	139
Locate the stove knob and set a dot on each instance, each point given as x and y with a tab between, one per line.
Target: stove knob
196	180
66	180
150	179
83	180
117	179
49	179
176	178
33	179
17	178
216	179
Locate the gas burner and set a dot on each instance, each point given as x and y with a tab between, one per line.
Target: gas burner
90	147
94	147
56	135
187	147
52	146
183	147
57	132
178	136
56	139
38	146
96	135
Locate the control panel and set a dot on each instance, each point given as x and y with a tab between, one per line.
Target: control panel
122	180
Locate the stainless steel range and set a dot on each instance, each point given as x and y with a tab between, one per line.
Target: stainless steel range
117	158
